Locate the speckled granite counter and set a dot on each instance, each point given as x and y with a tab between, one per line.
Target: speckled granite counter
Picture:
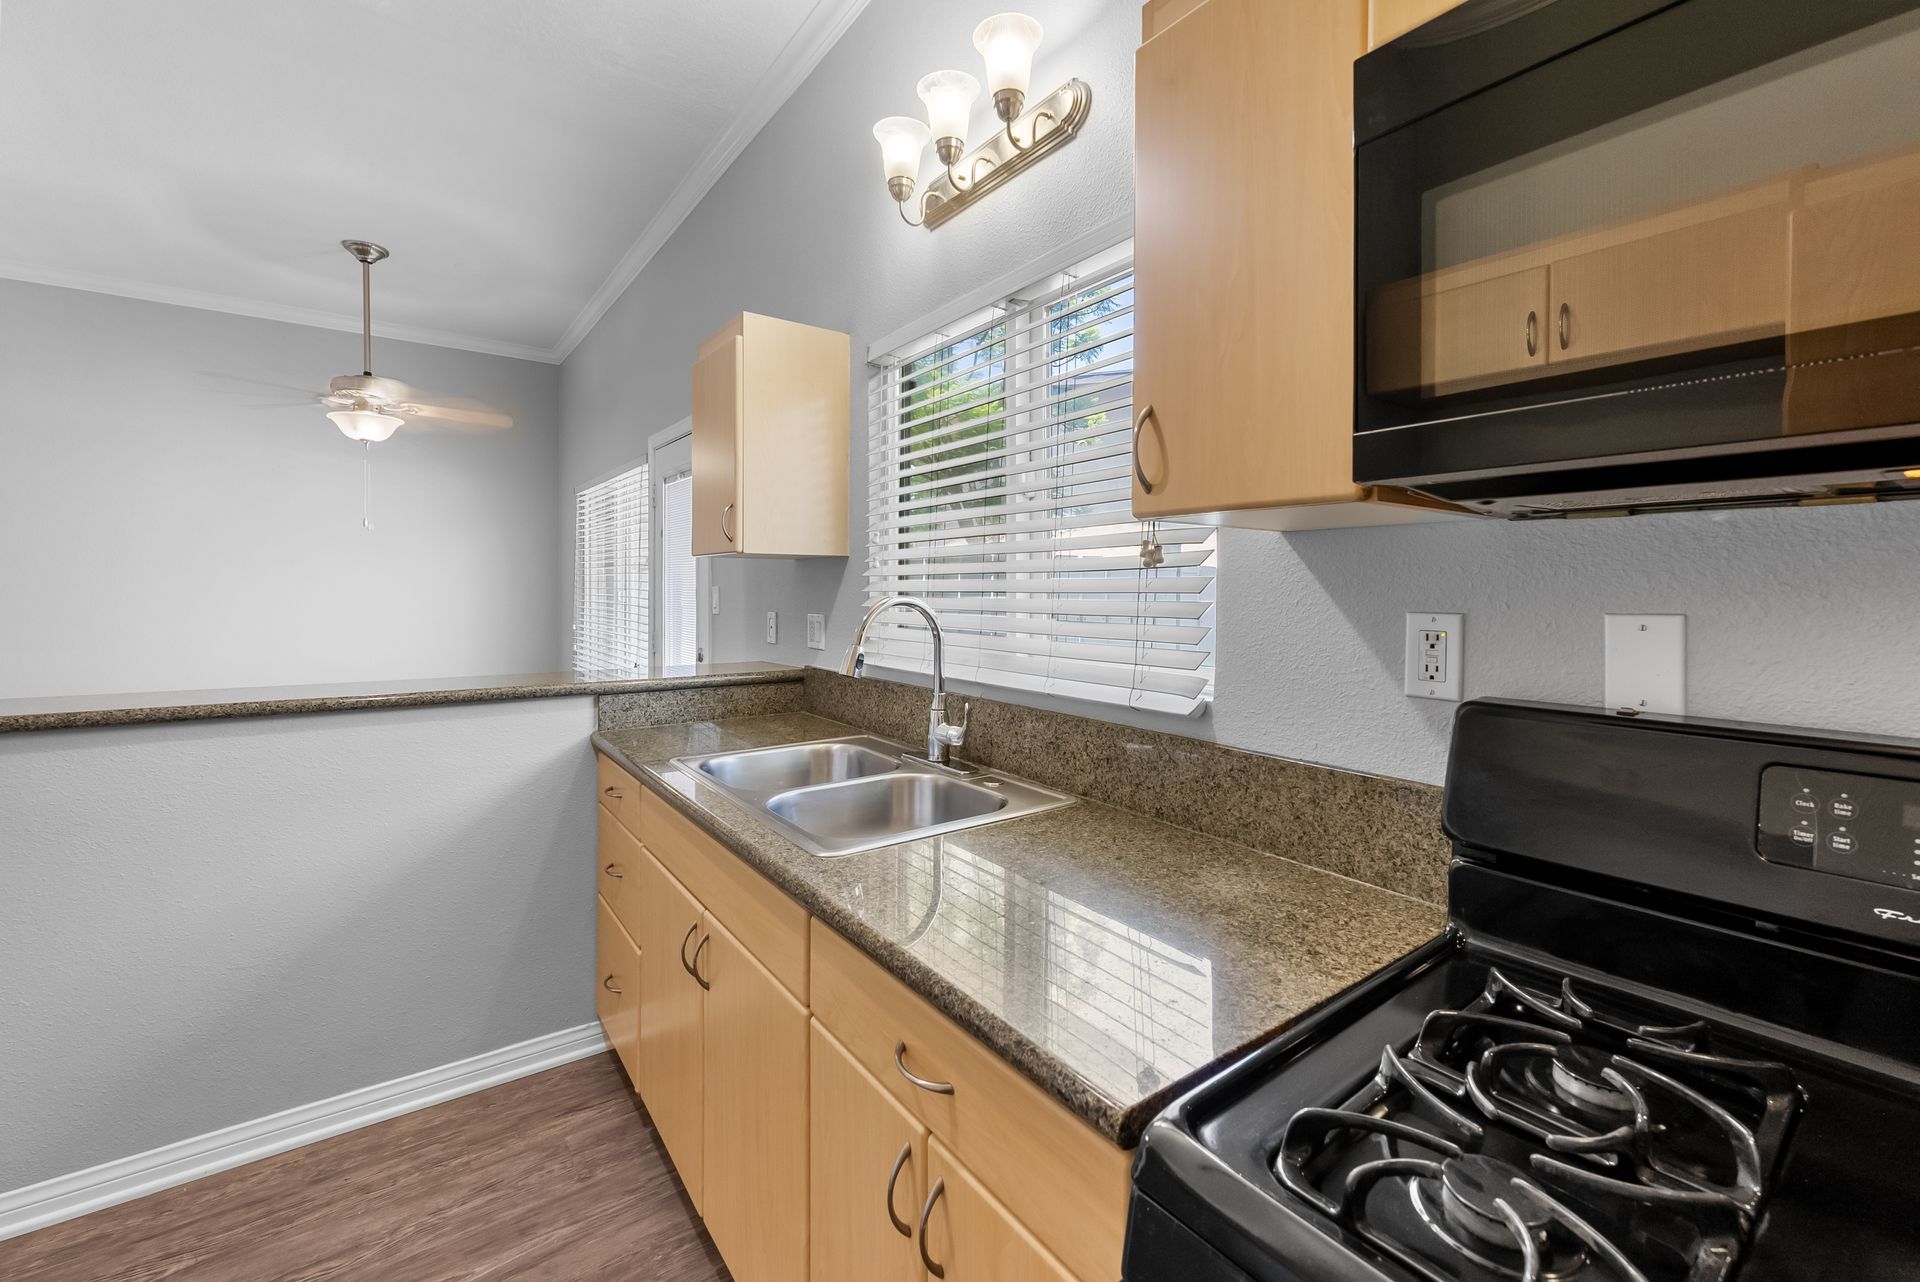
1110	958
69	712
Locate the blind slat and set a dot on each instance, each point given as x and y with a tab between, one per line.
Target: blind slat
610	585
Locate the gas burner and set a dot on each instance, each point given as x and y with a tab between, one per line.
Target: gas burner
1578	1075
1477	1198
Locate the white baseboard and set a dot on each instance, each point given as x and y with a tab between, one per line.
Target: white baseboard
66	1196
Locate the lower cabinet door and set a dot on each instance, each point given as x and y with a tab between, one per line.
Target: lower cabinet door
756	1115
672	1005
968	1236
616	990
869	1164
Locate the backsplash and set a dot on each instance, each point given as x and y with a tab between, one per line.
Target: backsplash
778	693
1374	829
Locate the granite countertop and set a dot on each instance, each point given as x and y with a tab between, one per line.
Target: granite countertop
64	712
1110	958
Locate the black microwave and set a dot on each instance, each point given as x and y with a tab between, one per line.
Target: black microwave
1636	255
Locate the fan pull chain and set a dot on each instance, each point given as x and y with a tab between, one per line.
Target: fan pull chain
366	485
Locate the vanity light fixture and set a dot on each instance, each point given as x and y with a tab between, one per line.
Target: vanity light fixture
1006	42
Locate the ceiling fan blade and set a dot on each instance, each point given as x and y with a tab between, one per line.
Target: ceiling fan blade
256	393
465	413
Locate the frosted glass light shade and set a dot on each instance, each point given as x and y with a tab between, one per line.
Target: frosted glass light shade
903	140
366	425
949	96
1007	42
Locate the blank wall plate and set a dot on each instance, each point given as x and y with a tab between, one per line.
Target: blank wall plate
816	632
1436	649
1647	662
773	627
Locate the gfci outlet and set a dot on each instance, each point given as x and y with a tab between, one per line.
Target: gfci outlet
816	632
773	627
1436	646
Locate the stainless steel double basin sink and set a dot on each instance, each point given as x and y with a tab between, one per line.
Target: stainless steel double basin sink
842	796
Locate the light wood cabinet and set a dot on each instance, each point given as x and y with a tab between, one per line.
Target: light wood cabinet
756	1115
1243	267
672	1024
972	1236
620	793
771	426
616	990
1390	19
869	1172
619	859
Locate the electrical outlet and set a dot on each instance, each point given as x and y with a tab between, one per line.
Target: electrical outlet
816	632
1647	662
773	627
1436	647
714	592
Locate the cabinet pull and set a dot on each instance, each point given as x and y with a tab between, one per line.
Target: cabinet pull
724	531
1140	421
615	793
1566	326
926	1213
1533	333
684	940
612	871
699	948
900	1226
900	1062
607	984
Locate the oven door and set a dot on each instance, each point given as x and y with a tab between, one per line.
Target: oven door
1641	251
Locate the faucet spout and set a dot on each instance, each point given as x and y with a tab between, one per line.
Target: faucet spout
942	735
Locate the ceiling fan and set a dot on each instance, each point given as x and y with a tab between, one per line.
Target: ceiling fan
369	408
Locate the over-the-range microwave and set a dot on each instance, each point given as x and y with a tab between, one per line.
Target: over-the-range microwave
1638	255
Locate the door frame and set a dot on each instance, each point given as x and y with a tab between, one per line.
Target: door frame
657	444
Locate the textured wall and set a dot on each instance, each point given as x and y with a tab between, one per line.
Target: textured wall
175	512
1797	616
202	924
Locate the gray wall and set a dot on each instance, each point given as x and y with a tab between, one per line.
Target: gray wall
205	923
1798	616
175	512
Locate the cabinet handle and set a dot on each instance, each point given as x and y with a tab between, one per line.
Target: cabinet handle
607	984
724	531
1533	333
900	1226
615	793
1140	421
699	948
1566	326
610	870
900	1062
685	939
926	1213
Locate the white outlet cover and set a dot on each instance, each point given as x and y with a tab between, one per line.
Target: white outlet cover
1447	650
773	627
1647	662
816	632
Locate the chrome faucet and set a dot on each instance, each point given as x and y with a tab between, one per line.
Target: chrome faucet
942	735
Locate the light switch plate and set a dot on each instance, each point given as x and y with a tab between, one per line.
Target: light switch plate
1647	662
816	632
773	627
1436	651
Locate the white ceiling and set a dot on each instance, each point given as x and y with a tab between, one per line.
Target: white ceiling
521	158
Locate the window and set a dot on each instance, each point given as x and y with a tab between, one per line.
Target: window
679	596
999	489
610	575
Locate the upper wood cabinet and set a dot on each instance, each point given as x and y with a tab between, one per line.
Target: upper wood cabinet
1389	19
1243	266
771	425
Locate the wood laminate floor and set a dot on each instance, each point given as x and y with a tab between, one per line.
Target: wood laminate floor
556	1176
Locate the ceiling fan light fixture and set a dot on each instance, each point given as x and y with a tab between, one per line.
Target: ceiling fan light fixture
366	425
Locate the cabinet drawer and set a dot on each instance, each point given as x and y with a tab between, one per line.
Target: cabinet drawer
619	870
620	793
1061	1178
756	912
616	990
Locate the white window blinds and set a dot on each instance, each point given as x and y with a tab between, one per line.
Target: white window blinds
679	608
610	575
999	489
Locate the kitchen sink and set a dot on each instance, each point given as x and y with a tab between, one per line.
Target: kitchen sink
842	796
797	765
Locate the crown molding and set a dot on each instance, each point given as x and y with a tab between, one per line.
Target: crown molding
821	31
34	274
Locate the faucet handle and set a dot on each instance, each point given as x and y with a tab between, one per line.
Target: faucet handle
954	733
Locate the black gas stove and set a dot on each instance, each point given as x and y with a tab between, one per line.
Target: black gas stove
1672	1034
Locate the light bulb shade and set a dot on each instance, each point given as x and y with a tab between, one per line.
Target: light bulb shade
366	425
903	140
949	96
1007	42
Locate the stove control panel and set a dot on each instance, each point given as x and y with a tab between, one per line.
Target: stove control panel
1856	826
